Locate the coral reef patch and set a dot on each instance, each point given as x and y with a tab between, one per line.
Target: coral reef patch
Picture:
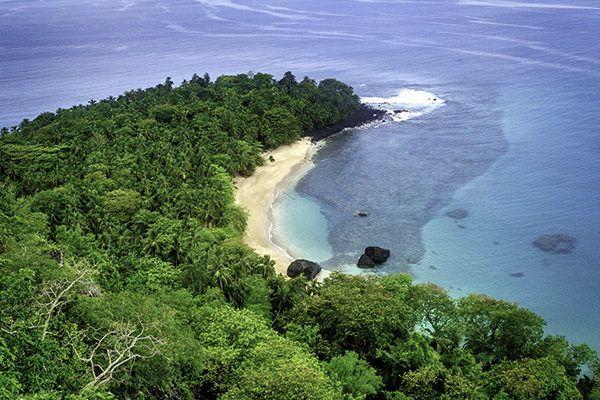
556	244
458	213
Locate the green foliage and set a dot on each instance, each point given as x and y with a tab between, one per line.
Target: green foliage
245	358
258	297
437	314
10	384
497	330
122	204
357	377
541	378
123	273
279	369
357	313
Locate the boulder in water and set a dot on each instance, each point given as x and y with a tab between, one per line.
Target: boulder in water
365	262
377	254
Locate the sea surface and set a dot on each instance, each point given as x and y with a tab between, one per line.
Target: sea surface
494	109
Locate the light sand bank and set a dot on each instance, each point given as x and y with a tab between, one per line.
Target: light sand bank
257	192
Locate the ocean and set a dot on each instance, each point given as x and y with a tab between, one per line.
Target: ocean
497	114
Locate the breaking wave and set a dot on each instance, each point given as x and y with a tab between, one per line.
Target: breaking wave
409	103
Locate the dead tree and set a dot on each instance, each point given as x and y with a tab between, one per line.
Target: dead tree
56	293
121	344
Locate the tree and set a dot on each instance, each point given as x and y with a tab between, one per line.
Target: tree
541	378
110	350
437	315
496	330
55	294
357	377
280	369
571	357
10	385
288	82
422	384
358	313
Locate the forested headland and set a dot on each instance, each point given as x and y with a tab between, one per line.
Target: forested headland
124	274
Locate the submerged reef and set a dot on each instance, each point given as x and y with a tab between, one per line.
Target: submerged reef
458	213
556	244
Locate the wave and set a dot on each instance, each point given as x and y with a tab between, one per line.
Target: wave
485	22
126	5
240	7
528	61
409	103
516	4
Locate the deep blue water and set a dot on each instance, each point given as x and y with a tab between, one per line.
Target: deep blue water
515	142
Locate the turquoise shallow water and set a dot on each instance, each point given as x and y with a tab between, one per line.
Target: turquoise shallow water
516	141
546	183
291	224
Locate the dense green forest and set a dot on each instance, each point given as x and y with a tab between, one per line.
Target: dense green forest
124	274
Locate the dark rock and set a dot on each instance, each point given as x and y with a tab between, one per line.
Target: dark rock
362	116
556	244
458	213
303	267
377	254
361	214
401	111
365	262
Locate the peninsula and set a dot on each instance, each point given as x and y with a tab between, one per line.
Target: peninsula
124	272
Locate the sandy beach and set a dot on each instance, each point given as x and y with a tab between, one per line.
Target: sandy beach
257	192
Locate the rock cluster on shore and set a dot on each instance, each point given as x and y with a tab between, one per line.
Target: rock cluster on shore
307	268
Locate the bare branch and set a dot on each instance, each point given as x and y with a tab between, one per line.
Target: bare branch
55	293
125	342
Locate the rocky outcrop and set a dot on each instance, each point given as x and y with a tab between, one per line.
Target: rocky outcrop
363	115
556	244
377	254
365	262
307	268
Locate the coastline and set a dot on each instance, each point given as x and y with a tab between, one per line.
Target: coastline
257	192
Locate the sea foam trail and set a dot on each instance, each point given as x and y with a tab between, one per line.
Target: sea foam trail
409	103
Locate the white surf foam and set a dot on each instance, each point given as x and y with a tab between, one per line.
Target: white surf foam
409	103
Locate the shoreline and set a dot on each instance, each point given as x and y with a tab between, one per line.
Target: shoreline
257	192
